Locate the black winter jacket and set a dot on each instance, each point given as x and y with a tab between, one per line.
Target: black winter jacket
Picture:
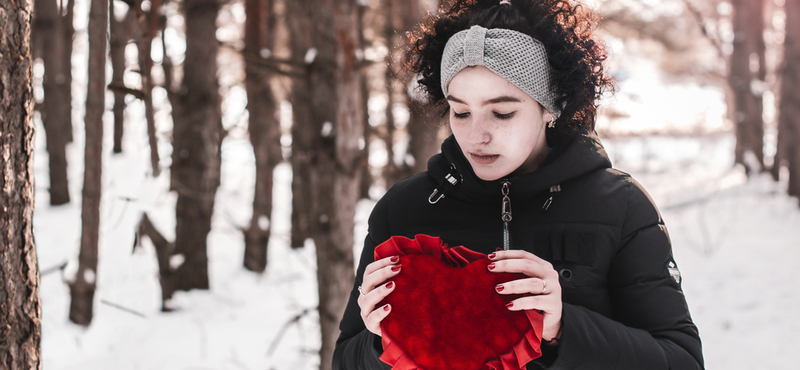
623	305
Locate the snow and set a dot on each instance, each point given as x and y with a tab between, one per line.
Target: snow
735	242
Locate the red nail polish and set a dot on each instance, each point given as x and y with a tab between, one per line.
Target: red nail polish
492	255
389	285
491	266
498	249
499	287
510	304
396	268
386	308
394	259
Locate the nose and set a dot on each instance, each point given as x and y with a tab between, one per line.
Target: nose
479	132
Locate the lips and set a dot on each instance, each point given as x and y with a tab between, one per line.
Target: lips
481	158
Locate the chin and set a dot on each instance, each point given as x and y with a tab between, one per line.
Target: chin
489	175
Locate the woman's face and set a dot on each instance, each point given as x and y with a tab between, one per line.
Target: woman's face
499	127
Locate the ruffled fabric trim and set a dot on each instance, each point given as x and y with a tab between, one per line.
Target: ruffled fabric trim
528	348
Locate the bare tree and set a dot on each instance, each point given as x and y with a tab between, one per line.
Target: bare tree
264	127
120	35
789	116
299	22
329	146
747	73
20	307
149	24
53	32
197	137
424	124
83	286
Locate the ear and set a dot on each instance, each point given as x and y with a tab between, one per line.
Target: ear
547	117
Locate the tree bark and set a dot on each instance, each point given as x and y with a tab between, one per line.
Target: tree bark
197	137
423	124
334	157
52	33
391	172
20	307
264	128
82	288
299	22
150	25
789	109
120	34
164	250
746	76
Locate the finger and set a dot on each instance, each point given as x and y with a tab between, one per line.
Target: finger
367	302
373	320
525	266
545	303
381	263
522	286
513	253
379	277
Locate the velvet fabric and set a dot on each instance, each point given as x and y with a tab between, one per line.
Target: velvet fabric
446	313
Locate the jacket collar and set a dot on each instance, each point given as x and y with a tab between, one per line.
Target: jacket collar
583	155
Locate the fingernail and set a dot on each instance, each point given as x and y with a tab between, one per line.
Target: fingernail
386	308
394	259
389	285
491	266
492	255
510	304
498	249
396	268
499	287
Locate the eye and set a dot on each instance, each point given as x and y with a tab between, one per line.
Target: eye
504	115
460	115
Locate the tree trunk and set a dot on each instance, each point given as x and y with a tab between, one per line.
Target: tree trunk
150	26
264	128
82	288
423	127
164	249
120	34
366	175
391	172
789	116
197	137
334	156
56	110
20	308
423	124
746	78
299	22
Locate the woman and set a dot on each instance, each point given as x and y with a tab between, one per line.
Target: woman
521	80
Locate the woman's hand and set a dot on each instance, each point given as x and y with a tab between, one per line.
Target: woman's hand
542	283
374	289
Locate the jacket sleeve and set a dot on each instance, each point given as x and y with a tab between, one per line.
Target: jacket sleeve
651	328
357	348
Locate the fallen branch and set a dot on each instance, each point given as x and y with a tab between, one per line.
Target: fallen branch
285	327
123	308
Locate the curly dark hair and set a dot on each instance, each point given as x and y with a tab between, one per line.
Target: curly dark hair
566	30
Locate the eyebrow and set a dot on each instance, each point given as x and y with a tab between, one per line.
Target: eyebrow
499	99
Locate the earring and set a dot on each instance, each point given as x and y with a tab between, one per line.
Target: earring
551	124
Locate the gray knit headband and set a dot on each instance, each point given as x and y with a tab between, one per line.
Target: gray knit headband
512	55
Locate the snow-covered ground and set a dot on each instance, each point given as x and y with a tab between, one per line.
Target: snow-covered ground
735	241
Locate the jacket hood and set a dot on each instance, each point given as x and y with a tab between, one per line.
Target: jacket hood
583	155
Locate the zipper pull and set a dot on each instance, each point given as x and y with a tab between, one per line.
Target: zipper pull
506	215
554	190
450	180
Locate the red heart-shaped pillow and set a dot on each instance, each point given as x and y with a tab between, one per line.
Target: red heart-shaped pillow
447	315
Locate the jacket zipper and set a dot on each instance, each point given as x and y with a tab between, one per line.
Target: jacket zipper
506	215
